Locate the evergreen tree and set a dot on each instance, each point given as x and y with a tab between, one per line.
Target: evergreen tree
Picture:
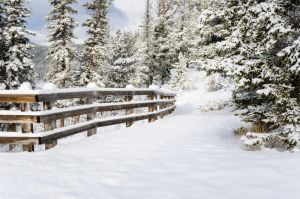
19	65
262	87
143	64
256	43
3	21
292	62
164	55
293	15
181	36
61	34
179	80
217	41
122	60
289	60
145	69
95	52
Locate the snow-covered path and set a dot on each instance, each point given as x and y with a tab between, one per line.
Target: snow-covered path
184	156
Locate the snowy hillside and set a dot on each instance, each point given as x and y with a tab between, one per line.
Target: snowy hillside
190	154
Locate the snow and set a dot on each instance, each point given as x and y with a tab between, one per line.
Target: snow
154	87
130	86
92	85
49	86
190	154
26	86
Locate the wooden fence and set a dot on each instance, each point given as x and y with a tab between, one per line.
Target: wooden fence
83	114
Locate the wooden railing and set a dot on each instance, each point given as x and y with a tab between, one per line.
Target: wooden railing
37	107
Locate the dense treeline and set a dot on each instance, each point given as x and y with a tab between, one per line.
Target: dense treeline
254	43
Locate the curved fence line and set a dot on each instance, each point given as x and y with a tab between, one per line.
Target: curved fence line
37	107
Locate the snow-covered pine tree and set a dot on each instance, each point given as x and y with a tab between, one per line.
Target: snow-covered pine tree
3	21
61	34
122	60
179	79
265	80
183	22
164	55
257	44
143	61
289	60
19	65
216	41
145	69
175	19
95	47
184	35
293	14
287	107
3	57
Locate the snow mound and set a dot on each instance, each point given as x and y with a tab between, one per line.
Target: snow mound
154	87
92	85
25	86
49	86
130	86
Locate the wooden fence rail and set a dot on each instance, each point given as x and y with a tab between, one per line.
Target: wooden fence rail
84	115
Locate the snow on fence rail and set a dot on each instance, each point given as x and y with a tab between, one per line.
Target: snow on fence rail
159	103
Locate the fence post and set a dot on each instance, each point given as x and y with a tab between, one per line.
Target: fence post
12	128
154	107
27	127
62	122
129	111
91	116
49	125
172	98
77	118
169	112
162	106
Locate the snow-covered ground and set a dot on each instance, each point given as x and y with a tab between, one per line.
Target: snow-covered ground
190	154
